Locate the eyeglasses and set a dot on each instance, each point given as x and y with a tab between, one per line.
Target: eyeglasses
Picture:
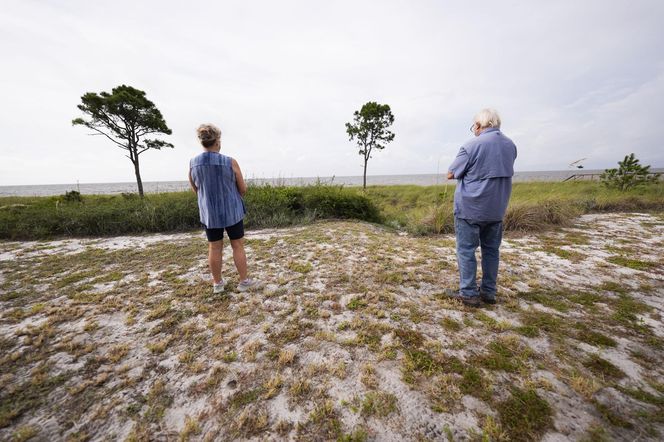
472	128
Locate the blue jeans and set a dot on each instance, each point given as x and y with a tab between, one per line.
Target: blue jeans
469	235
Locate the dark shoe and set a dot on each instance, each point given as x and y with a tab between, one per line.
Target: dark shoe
471	301
487	299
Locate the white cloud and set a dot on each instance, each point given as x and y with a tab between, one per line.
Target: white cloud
571	79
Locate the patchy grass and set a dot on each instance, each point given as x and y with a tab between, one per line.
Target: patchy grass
631	263
191	428
644	396
535	322
549	298
242	398
475	383
567	254
451	324
378	403
603	368
626	310
25	433
347	339
507	354
613	418
158	400
323	422
585	334
525	416
356	303
29	395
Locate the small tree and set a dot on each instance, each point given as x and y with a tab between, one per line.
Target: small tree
125	117
370	130
629	174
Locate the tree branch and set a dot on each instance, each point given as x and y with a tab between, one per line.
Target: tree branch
110	121
107	136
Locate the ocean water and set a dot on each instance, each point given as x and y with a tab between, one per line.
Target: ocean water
178	186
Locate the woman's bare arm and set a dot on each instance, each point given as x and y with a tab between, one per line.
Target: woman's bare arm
241	185
191	183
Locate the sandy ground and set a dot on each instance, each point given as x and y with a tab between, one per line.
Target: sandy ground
348	338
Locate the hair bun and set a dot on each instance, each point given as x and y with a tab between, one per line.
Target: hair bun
208	134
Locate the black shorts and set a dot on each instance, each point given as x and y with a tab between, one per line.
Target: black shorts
236	231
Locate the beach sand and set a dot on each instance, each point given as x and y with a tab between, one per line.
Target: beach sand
349	336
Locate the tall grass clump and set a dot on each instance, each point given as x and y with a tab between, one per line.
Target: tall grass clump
96	215
533	206
103	215
526	216
277	206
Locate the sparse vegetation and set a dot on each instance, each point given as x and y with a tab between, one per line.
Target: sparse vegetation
603	368
378	403
451	324
360	343
525	416
585	334
635	264
507	354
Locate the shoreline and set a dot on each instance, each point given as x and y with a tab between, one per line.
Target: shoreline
153	187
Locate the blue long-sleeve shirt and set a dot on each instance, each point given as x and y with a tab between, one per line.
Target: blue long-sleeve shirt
484	168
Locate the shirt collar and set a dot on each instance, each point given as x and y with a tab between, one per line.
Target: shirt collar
489	129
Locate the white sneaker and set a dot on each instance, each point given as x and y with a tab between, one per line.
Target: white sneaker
219	288
247	284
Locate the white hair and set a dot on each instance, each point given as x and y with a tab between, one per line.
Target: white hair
487	118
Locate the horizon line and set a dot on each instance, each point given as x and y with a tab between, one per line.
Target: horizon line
303	177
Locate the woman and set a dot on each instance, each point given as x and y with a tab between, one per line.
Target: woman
218	182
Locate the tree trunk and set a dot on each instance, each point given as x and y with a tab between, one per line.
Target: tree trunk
364	185
139	182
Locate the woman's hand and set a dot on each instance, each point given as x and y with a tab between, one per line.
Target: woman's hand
191	183
239	180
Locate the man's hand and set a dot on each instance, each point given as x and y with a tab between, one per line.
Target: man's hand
450	176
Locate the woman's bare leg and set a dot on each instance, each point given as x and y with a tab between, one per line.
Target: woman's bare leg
239	257
215	254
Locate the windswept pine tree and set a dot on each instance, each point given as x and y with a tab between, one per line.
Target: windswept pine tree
126	117
629	174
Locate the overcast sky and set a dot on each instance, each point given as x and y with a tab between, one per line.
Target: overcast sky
571	79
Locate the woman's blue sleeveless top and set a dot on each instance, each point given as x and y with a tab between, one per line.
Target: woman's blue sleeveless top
219	201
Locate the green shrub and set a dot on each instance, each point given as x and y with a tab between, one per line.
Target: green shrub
72	196
276	206
101	215
629	174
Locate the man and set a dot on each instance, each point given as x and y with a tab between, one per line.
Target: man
483	170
